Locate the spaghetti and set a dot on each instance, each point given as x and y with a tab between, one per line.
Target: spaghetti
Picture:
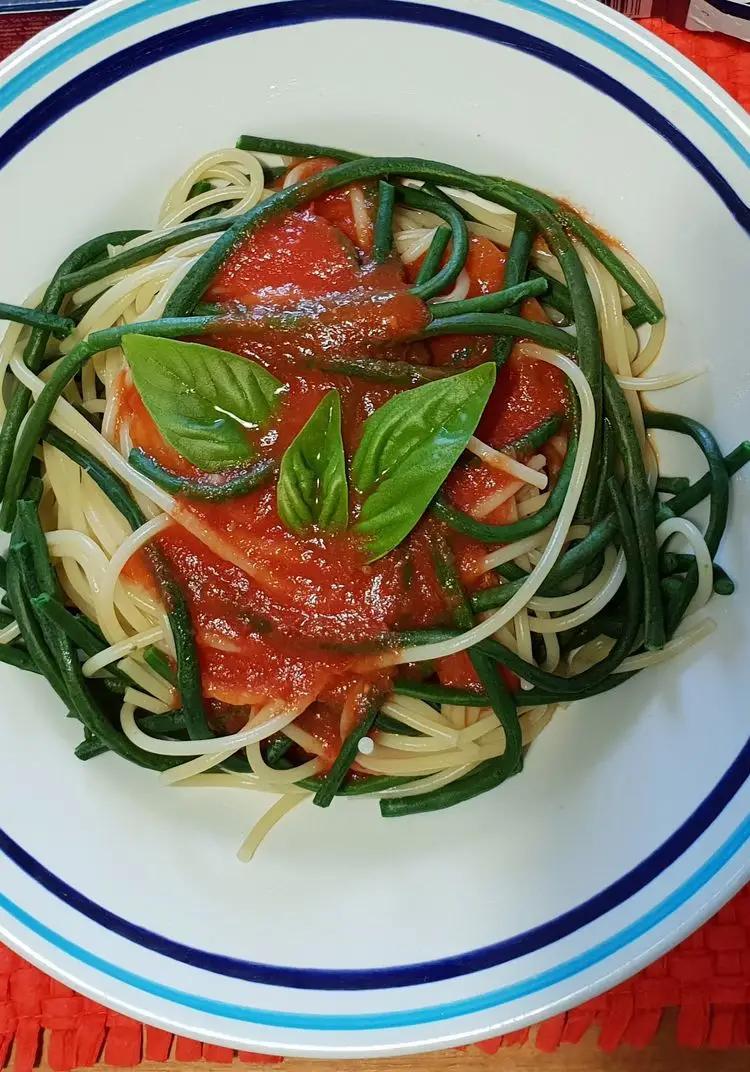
338	482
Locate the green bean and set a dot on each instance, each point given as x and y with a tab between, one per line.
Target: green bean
78	628
557	296
13	656
641	505
502	324
672	563
272	174
516	268
535	437
90	749
383	231
35	349
606	257
646	306
572	562
277	749
159	662
606	623
188	672
76	687
333	779
601	497
433	281
360	786
81	277
580	683
686	500
253	144
3	572
19	597
383	371
679	599
188	669
544	697
103	477
490	303
439	694
719	477
392	725
671	485
431	264
723	583
487	775
240	483
69	367
501	702
59	326
154	725
514	530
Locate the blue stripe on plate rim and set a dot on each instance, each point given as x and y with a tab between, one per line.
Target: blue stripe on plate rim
285	13
379	1021
146	9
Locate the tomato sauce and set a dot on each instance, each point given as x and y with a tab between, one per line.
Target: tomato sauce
301	618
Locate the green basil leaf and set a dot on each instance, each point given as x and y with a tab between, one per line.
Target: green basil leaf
203	400
409	447
312	490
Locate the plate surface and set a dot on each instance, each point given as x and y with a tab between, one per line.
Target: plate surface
348	934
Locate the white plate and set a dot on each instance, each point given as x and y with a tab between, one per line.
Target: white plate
349	934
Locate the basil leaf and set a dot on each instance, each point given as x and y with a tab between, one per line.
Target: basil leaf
409	447
312	490
202	399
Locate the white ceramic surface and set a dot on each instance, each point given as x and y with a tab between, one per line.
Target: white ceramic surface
539	894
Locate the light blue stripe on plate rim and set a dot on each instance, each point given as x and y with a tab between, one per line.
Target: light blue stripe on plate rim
146	9
405	1017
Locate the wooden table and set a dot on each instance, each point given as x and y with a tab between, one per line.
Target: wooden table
663	1055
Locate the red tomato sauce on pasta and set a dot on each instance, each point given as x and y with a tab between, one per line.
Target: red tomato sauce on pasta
299	618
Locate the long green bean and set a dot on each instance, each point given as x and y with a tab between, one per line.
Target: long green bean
513	530
501	701
34	351
606	256
282	147
59	326
188	672
385	370
490	303
679	598
717	471
516	268
383	229
333	779
431	264
557	295
697	492
502	324
201	488
19	596
641	505
437	281
74	279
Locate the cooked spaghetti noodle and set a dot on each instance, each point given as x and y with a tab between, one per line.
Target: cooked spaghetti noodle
339	482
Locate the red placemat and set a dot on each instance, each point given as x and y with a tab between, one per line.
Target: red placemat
707	978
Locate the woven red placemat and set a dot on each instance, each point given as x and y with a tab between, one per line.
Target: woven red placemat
707	977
